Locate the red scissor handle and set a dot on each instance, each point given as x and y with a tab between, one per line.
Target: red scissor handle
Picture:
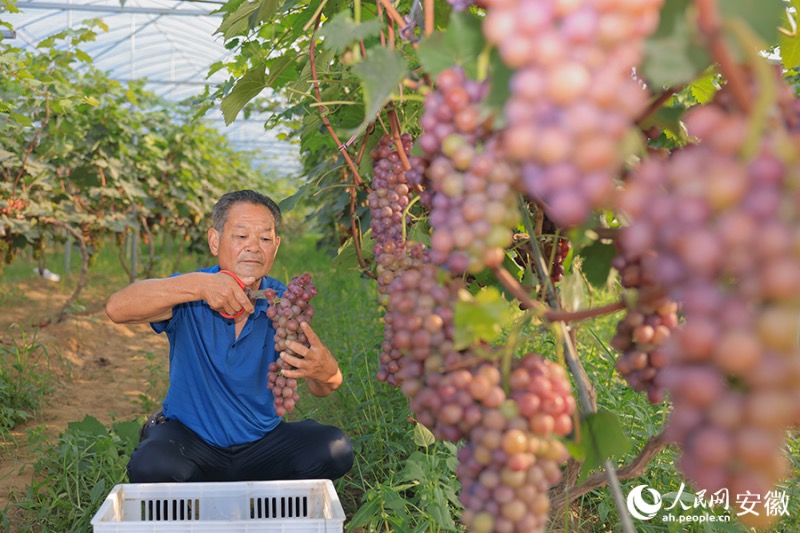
241	284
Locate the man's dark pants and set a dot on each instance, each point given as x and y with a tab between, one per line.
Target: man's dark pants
171	452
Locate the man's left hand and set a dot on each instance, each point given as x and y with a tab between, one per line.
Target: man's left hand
315	363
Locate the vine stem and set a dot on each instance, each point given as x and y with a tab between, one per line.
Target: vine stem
322	111
583	314
708	20
393	14
429	21
635	468
394	125
518	291
581	378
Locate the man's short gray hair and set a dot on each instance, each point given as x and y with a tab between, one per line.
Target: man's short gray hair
219	214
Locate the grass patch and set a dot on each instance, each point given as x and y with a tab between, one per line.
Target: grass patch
72	476
25	378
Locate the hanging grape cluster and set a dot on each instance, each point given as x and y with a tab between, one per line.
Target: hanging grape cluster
722	216
555	249
648	323
513	456
473	207
287	313
573	98
388	199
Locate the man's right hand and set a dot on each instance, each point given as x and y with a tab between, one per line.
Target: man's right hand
224	295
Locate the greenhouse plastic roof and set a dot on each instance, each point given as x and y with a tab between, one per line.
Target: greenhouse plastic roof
170	43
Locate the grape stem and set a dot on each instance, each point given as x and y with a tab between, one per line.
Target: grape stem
516	289
581	378
656	104
357	233
708	20
323	111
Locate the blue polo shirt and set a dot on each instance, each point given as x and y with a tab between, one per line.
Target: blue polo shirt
218	383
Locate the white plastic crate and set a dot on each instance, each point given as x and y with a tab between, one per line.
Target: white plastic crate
229	507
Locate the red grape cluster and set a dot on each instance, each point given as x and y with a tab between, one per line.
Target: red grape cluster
513	455
287	313
642	332
727	233
388	199
418	323
474	206
14	207
390	192
555	249
402	258
573	97
455	106
471	188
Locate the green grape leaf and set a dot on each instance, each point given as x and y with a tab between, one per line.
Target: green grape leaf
480	317
667	119
266	8
790	50
380	73
789	41
248	87
601	438
347	258
674	53
461	45
22	120
282	70
238	22
597	262
705	87
499	91
340	32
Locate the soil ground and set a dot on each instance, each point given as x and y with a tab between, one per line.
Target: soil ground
102	368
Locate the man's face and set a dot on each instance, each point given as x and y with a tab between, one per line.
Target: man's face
248	243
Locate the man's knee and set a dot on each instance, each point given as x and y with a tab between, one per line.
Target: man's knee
161	458
341	454
149	465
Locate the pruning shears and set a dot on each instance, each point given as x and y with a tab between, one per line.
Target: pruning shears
253	295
